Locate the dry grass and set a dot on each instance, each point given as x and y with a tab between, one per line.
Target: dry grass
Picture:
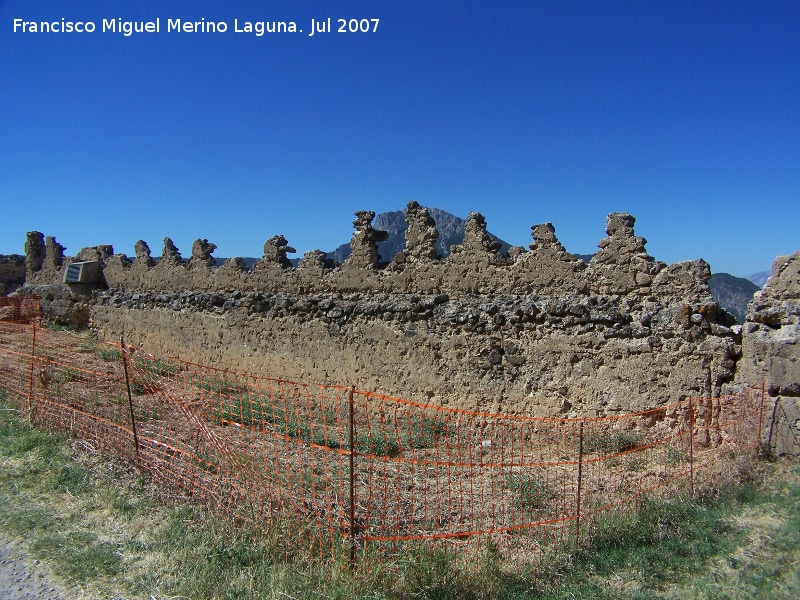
111	533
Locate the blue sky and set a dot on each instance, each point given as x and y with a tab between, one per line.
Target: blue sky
684	114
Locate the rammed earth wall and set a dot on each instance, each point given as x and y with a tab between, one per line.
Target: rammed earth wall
536	332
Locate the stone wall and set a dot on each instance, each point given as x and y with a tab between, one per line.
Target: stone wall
536	331
12	273
771	351
544	356
62	304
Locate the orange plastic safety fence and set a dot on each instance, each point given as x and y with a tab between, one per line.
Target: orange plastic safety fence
345	472
523	484
20	310
259	450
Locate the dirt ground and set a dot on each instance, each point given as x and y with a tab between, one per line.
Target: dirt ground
22	578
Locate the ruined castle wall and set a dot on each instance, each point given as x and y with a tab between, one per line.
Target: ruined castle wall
12	273
771	351
622	266
536	331
542	356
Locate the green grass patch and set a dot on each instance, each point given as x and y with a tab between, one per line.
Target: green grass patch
320	426
108	353
220	385
69	477
28	521
87	347
659	539
139	388
426	432
610	442
378	442
674	457
245	409
635	463
250	410
156	367
313	478
104	352
78	555
70	374
530	489
146	374
660	544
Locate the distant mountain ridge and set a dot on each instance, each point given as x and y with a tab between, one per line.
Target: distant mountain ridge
248	260
732	293
759	278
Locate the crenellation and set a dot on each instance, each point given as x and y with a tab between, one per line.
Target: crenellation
119	262
478	245
544	236
364	243
235	264
170	254
170	271
622	264
317	262
275	250
421	235
201	255
547	266
34	252
99	253
44	258
143	257
685	279
54	252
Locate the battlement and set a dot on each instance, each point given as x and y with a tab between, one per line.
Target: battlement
621	266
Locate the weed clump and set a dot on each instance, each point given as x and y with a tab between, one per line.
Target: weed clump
530	489
221	386
606	443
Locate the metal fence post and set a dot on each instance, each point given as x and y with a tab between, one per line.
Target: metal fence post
30	380
130	400
772	423
691	447
580	474
352	481
759	434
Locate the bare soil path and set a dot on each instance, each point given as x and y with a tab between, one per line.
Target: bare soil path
22	578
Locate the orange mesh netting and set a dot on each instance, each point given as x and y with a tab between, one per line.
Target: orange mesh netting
16	309
274	453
